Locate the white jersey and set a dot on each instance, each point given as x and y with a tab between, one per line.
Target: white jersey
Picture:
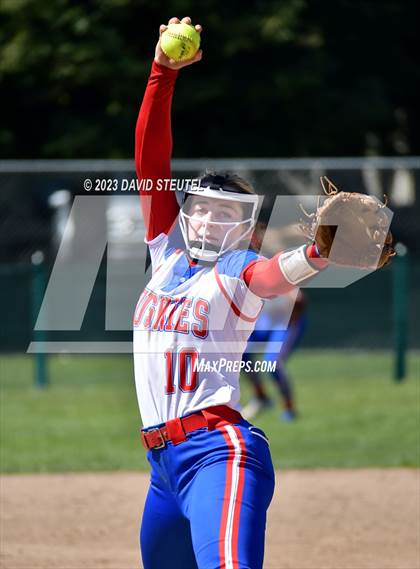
188	319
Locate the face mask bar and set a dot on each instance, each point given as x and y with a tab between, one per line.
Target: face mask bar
205	251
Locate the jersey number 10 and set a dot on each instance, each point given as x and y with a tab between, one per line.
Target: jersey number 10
185	361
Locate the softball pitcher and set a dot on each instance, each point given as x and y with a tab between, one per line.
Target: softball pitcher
212	477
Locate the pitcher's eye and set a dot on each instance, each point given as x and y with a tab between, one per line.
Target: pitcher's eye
227	215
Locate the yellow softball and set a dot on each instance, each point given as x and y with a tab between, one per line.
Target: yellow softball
180	41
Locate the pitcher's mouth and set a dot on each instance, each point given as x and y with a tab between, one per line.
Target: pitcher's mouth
210	245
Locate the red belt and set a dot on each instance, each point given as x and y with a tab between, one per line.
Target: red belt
176	430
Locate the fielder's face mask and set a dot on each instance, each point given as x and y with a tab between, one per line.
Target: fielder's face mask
200	247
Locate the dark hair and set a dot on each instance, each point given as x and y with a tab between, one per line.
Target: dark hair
226	180
230	183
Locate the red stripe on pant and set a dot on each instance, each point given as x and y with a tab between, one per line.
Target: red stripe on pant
232	499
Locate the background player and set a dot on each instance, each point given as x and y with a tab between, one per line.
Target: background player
272	328
281	325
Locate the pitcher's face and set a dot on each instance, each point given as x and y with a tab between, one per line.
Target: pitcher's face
211	219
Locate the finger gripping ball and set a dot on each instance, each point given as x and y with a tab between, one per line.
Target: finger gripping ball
180	42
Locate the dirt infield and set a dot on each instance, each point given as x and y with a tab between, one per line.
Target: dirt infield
338	519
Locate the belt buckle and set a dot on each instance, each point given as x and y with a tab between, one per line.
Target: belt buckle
163	443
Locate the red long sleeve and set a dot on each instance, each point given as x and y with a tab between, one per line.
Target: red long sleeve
265	278
153	149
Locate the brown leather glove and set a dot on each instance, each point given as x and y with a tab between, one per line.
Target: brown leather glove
351	229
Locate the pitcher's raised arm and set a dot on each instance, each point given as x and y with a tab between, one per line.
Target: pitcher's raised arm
153	141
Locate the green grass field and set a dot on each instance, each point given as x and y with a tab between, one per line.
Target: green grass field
351	414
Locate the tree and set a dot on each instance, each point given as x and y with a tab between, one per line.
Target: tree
278	78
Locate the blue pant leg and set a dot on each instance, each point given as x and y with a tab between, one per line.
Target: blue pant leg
165	535
228	501
257	336
290	340
294	335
